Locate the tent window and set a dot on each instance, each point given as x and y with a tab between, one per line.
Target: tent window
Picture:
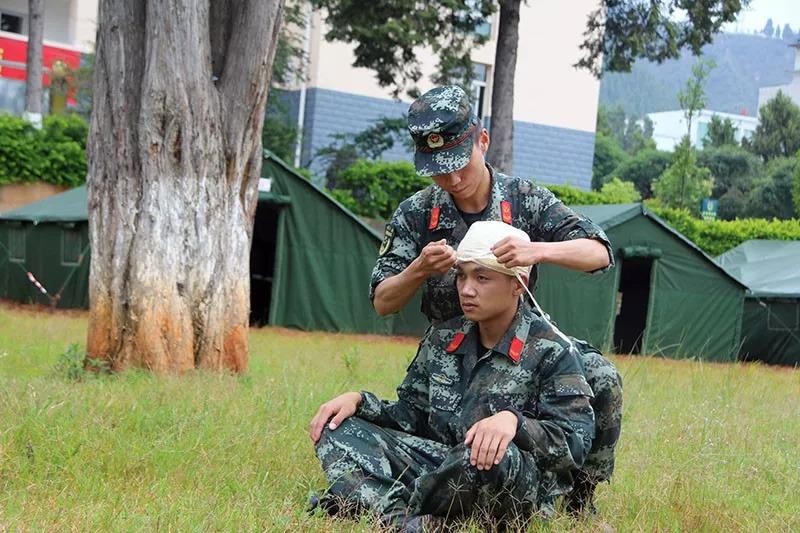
783	316
16	245
71	244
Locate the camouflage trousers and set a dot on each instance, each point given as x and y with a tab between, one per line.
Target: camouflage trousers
606	384
395	474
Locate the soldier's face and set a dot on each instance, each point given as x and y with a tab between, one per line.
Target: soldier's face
466	182
485	294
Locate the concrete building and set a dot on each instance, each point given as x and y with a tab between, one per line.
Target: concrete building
555	105
69	31
791	89
669	127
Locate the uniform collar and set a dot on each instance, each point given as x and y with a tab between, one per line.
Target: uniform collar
511	345
449	216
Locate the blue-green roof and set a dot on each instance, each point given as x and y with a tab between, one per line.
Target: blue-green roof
68	206
769	268
611	215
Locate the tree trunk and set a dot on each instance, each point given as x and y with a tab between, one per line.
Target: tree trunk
501	149
175	153
33	68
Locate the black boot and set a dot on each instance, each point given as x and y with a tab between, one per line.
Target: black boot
581	499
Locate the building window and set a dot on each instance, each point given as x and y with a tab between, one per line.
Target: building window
11	22
71	247
480	74
16	245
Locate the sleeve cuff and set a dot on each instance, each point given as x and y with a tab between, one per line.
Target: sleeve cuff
370	407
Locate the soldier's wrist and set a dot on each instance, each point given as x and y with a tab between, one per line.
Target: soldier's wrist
516	412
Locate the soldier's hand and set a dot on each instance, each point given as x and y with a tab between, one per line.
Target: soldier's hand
511	252
489	438
336	410
436	258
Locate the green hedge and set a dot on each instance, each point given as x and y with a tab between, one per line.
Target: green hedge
714	238
55	154
719	236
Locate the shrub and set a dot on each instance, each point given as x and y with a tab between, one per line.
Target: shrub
375	188
643	168
719	236
56	154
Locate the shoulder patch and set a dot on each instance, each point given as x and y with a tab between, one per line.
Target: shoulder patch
388	238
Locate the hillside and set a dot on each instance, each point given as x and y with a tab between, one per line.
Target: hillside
744	63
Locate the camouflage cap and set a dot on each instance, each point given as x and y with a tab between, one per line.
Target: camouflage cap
442	124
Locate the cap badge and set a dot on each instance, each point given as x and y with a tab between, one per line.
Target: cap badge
435	140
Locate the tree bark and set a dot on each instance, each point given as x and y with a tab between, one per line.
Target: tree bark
33	68
501	149
174	159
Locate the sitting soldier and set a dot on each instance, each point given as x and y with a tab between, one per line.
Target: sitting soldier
491	420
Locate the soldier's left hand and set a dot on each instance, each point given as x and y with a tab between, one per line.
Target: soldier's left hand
489	438
511	252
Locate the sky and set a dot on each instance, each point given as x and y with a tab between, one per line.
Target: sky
755	16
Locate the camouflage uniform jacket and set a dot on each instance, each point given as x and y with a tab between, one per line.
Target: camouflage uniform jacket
453	383
430	215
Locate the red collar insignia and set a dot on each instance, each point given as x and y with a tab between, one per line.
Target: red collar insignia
455	343
515	349
505	211
434	220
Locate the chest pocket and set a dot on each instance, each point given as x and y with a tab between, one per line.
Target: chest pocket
443	394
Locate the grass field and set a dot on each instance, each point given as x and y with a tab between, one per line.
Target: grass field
705	447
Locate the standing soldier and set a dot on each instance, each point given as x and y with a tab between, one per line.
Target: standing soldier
418	248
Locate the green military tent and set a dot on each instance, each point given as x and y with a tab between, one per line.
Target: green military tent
771	319
665	297
310	262
46	242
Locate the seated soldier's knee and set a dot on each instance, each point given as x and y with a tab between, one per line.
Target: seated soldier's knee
508	466
344	431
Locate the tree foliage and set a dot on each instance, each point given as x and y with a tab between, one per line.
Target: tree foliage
643	169
369	143
280	131
731	167
771	196
621	31
631	134
796	186
692	98
607	157
374	189
684	183
778	130
389	35
616	191
721	132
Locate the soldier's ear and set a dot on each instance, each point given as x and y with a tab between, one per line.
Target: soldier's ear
483	141
520	283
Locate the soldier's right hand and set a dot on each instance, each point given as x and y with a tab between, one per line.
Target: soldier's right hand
436	258
339	409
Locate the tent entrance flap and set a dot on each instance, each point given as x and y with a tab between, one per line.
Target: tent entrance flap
632	302
262	261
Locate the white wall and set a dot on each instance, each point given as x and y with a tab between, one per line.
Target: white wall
548	90
669	127
70	22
